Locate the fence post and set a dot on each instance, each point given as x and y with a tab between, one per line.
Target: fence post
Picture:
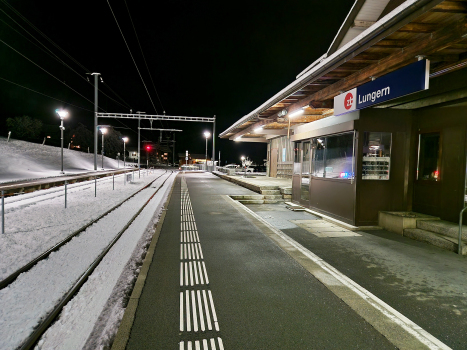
95	186
3	210
65	192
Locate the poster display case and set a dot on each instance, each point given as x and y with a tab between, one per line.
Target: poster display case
376	160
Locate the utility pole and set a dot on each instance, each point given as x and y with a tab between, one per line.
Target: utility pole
214	144
173	151
96	89
139	139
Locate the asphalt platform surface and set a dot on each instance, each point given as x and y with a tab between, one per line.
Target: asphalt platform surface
249	293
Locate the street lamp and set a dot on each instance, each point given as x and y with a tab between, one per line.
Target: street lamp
103	131
206	135
125	140
62	114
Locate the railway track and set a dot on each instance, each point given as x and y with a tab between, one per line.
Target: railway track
97	236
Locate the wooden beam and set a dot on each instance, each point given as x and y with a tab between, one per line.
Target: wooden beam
443	58
271	132
451	7
367	56
431	44
392	43
419	28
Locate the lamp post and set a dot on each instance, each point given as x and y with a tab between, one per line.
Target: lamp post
206	135
62	114
103	131
125	140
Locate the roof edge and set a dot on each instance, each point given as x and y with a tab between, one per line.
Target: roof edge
384	24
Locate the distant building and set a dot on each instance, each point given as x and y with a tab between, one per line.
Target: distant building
192	158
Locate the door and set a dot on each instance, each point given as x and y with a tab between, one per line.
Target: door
305	176
427	186
273	168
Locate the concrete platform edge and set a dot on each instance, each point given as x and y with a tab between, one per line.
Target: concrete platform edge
124	330
398	329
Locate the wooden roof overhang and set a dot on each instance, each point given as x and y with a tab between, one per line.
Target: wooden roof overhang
436	30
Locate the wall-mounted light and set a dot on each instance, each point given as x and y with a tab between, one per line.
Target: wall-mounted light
237	138
257	130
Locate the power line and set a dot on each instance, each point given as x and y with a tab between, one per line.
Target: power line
47	72
131	56
58	47
54	56
150	76
40	93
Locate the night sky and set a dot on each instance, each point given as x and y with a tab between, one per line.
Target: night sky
205	57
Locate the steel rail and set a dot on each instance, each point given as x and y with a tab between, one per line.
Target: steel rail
8	280
30	342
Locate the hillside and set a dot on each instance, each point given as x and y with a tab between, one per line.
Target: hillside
21	160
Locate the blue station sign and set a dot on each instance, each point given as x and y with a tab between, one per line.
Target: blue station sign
404	81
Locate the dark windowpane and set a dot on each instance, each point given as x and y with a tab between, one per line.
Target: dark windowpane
428	157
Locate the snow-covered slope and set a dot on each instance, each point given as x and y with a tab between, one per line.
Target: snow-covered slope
21	160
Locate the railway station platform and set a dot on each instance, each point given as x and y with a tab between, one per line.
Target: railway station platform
220	274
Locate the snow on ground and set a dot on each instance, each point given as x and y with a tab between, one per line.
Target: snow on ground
21	160
35	221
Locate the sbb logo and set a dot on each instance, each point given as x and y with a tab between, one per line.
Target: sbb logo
348	101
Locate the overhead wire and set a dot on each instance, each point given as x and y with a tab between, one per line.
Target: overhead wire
53	55
40	93
113	14
141	49
24	56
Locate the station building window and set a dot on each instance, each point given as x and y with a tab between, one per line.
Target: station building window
428	156
297	165
305	178
333	156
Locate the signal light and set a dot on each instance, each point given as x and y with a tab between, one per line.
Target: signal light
148	148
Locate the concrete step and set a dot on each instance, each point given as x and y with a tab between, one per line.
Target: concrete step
287	197
286	190
239	197
436	239
252	201
273	197
272	201
269	188
271	192
444	228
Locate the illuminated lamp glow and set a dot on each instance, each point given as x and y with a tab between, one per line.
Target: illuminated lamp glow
257	130
294	114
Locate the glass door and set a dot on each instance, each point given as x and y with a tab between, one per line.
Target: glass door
305	178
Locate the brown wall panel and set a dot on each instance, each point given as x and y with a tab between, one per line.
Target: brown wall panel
335	198
445	198
374	196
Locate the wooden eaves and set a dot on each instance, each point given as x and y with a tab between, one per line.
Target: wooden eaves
436	30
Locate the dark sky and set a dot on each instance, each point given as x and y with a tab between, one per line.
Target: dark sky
206	58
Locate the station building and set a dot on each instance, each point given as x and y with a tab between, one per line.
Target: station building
379	121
